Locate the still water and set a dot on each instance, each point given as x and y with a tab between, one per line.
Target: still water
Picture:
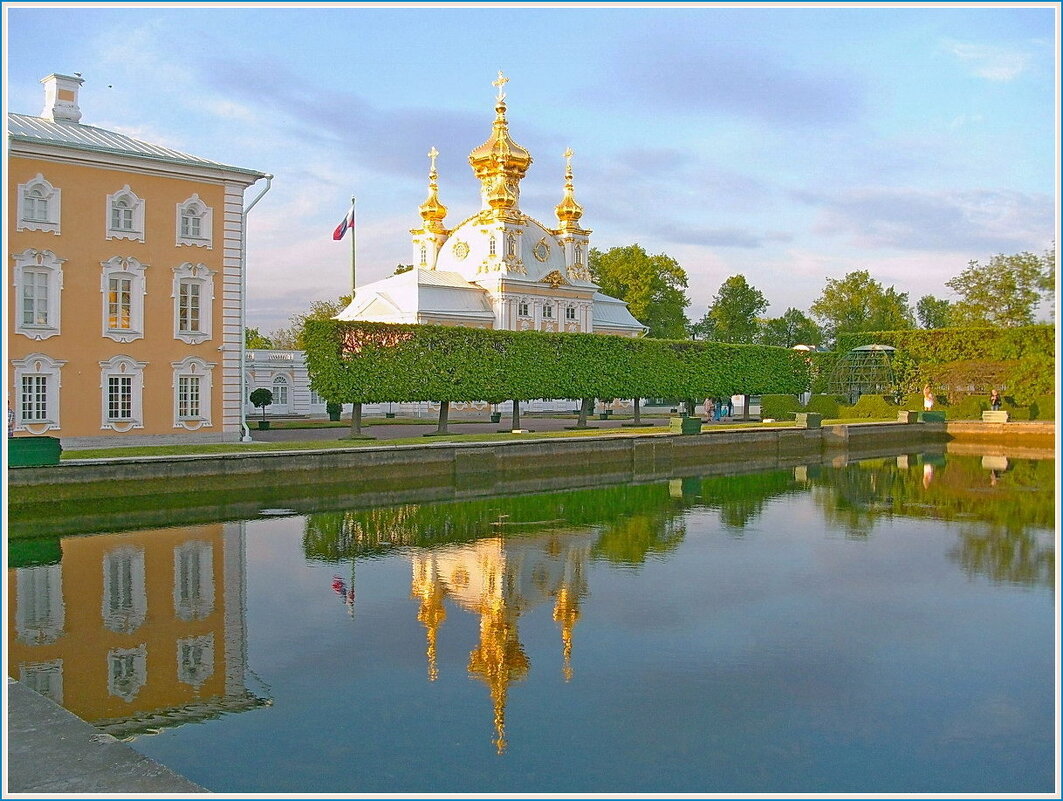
885	626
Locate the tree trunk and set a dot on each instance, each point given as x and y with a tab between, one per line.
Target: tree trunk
585	406
691	405
356	419
637	419
444	414
745	407
516	415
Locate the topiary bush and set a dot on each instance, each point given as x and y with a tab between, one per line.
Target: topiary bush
1043	408
870	406
827	405
779	407
970	408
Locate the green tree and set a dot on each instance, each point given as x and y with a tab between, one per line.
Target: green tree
858	302
933	312
1005	292
254	339
291	338
734	311
793	328
654	287
1047	284
402	268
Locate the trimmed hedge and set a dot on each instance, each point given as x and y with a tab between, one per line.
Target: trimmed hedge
829	406
871	406
779	407
379	362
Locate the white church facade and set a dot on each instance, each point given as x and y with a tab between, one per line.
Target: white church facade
499	268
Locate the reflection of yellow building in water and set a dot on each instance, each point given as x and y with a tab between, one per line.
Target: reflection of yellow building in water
135	632
500	579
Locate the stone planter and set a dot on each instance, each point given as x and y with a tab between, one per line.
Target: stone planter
808	420
496	417
263	425
33	451
390	415
684	425
334	416
907	416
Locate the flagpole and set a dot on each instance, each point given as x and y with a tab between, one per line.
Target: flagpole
354	238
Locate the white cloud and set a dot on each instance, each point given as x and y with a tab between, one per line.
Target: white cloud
988	61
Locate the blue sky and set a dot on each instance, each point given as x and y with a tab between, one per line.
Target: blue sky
790	144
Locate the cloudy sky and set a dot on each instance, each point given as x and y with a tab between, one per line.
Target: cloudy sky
790	144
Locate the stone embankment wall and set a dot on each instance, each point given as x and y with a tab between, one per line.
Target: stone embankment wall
149	492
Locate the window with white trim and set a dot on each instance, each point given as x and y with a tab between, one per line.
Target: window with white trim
193	580
38	286
548	311
125	599
570	312
195	223
37	393
38	206
123	288
125	215
523	309
280	391
424	256
491	246
192	384
579	254
193	296
122	385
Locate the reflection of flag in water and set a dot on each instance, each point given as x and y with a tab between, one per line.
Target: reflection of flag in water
339	586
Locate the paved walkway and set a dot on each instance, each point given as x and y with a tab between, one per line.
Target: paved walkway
50	750
455	426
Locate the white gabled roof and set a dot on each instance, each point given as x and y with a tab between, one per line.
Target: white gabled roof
403	297
610	312
37	130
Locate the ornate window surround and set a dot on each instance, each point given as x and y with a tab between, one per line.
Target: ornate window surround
38	364
136	205
50	221
39	261
193	367
122	366
201	275
124	267
194	207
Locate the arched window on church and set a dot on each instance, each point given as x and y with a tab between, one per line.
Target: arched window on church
579	254
511	247
424	256
491	246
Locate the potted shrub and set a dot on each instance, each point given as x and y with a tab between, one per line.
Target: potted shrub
334	409
260	399
496	416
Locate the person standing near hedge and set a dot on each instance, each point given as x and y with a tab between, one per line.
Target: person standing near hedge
928	398
994	400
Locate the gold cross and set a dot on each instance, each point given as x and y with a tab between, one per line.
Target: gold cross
432	155
568	157
502	81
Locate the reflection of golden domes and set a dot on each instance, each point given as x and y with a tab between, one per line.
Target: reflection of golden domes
499	659
500	162
432	211
568	210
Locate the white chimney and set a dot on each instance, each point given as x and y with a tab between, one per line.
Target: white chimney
61	98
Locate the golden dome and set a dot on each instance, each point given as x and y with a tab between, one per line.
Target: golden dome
568	210
432	211
500	157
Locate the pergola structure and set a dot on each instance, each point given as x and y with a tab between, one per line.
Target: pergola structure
866	370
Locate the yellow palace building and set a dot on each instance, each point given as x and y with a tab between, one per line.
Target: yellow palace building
125	283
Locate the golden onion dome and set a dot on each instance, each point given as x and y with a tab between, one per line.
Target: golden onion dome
432	211
568	210
500	154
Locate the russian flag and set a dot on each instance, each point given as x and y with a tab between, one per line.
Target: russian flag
348	222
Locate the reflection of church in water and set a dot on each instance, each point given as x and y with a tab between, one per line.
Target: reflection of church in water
135	632
500	579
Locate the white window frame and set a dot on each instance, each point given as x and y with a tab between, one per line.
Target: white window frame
424	255
280	381
127	617
49	194
193	564
127	367
189	274
193	367
570	313
195	208
124	267
39	262
548	311
38	365
135	205
523	308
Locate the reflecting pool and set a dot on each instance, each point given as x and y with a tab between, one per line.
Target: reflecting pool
884	626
